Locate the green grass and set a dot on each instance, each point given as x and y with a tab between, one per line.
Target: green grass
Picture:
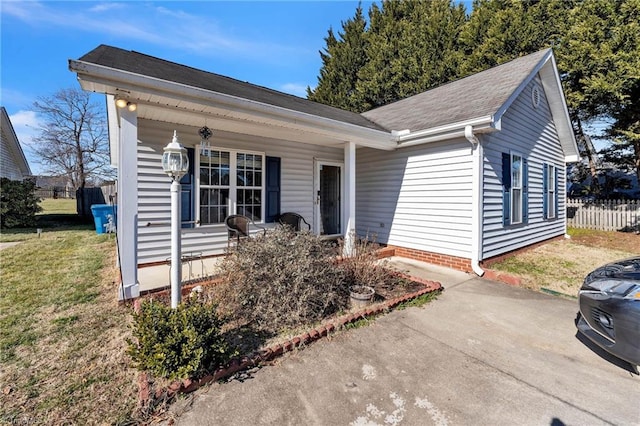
56	215
560	266
62	333
58	206
420	300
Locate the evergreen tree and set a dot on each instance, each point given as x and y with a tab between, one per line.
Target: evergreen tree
413	46
600	63
501	30
342	59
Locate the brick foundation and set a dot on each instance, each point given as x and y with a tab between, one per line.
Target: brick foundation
459	263
454	262
490	261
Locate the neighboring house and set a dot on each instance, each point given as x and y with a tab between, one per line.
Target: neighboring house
13	163
462	173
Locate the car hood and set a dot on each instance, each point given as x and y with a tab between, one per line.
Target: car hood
627	270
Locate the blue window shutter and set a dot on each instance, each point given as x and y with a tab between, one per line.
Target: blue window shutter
545	191
555	194
506	188
525	191
272	208
187	200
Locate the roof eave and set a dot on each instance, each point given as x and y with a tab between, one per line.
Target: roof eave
114	78
550	78
16	147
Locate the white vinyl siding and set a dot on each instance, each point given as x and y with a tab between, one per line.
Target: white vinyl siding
531	133
154	203
417	197
10	159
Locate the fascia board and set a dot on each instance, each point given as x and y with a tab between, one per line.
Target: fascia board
111	76
113	129
511	99
558	105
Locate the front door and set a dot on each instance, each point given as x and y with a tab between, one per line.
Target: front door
328	198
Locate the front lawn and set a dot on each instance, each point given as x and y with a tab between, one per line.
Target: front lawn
62	332
561	266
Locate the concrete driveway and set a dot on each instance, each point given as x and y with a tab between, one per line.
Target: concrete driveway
484	353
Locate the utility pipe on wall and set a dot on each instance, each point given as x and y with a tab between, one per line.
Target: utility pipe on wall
476	199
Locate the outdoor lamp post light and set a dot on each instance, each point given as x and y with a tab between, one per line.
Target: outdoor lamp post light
175	163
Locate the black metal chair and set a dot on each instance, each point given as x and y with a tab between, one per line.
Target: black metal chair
293	220
238	227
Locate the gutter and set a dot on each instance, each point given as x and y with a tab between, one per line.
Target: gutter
476	199
448	131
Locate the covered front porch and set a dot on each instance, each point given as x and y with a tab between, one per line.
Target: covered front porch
269	153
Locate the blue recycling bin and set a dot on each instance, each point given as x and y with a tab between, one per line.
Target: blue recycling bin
104	217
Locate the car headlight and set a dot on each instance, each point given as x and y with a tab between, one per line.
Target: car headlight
625	289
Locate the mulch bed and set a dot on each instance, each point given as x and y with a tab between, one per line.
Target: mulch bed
386	299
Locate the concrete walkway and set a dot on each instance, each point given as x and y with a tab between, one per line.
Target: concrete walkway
10	244
484	353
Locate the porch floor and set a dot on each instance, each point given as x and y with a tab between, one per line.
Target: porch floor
159	277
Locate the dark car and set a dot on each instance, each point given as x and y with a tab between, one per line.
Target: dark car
610	309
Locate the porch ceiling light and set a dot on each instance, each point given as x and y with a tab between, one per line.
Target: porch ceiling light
175	162
123	103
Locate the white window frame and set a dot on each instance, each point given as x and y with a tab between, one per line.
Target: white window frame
232	205
517	188
551	191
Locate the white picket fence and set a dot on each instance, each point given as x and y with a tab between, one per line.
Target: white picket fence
604	215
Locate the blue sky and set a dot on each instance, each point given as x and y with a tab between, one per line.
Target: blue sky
273	44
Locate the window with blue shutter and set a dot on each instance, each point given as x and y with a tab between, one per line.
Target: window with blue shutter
550	191
272	208
515	189
506	188
545	191
187	199
525	191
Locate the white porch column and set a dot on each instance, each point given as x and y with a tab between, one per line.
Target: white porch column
350	197
128	204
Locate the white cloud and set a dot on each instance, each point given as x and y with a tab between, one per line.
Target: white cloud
27	126
295	89
105	7
199	34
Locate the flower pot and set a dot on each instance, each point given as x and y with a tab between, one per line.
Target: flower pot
361	296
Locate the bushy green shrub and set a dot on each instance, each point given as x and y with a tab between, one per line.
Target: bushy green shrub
178	343
18	204
282	280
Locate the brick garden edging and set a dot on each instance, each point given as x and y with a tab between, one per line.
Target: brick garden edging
276	350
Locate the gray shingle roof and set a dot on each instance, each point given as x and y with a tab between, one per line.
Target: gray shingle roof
478	95
146	65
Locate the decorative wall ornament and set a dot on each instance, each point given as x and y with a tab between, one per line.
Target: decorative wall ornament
205	133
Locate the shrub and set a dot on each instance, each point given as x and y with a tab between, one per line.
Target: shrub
363	268
282	280
178	343
18	204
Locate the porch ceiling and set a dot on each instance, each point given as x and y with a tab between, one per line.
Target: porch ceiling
195	107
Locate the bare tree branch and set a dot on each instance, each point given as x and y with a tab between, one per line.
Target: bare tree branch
73	139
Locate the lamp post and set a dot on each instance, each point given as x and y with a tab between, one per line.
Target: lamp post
175	163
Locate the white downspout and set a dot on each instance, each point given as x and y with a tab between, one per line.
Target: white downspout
476	199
